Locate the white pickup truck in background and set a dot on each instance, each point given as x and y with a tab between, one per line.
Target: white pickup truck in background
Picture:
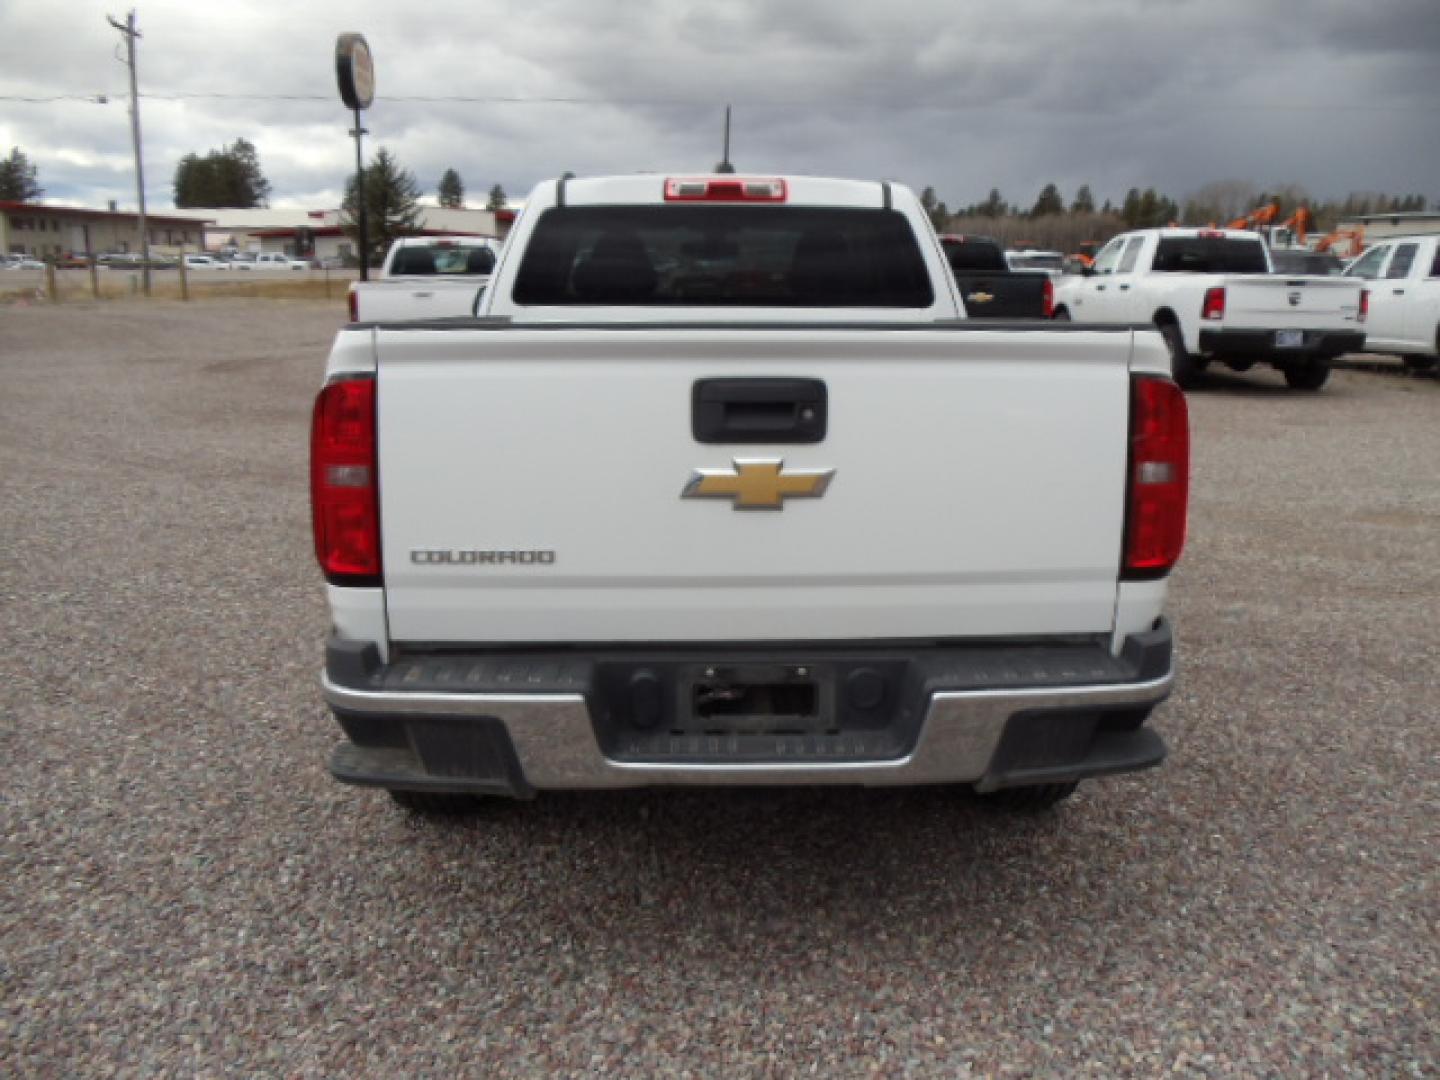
1404	277
723	488
426	277
1212	295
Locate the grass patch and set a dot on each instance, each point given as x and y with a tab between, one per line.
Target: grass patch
75	285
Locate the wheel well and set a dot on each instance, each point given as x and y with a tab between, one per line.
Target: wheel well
1058	309
1165	317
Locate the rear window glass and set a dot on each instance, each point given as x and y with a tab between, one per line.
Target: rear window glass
717	256
973	253
1028	261
1305	262
443	259
1210	255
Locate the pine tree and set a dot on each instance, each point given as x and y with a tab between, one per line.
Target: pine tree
451	193
1130	210
18	178
391	203
497	198
1048	203
1084	201
228	177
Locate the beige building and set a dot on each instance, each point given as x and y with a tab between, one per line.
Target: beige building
52	231
1384	226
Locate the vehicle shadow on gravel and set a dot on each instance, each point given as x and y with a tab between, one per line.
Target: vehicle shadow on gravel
813	868
1239	383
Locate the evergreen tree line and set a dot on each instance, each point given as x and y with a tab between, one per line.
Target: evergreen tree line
1051	222
232	177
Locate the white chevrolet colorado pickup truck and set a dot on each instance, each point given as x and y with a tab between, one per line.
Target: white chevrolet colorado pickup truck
1212	295
426	277
722	488
1404	276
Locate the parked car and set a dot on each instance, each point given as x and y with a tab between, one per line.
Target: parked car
203	262
1296	261
277	260
241	260
23	262
1404	298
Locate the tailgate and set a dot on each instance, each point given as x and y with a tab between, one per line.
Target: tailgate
1003	296
1275	302
419	298
531	484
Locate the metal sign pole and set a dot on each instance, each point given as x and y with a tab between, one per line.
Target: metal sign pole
355	74
361	211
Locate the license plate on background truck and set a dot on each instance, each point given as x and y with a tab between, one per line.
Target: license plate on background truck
1289	339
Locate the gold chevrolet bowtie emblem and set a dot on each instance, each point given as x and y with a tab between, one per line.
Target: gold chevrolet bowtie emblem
980	297
758	485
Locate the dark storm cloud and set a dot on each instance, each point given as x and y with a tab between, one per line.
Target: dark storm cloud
1332	94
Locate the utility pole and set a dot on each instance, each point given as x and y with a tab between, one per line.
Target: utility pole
127	29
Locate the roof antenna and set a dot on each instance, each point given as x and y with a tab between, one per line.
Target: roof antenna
725	166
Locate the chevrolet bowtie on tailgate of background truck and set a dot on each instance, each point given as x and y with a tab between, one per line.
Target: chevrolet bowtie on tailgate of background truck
722	488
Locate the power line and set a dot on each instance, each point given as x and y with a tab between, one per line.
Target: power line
98	99
688	103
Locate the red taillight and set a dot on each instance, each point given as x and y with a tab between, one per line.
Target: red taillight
727	189
1364	306
1214	305
1048	297
1159	488
343	490
354	304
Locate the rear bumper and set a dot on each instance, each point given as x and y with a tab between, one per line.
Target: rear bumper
511	725
1260	345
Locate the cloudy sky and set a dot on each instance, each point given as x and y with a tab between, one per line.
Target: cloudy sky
1336	95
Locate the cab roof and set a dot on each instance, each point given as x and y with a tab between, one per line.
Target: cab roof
650	189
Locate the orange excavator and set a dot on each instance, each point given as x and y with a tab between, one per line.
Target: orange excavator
1086	255
1355	236
1298	225
1258	218
1290	233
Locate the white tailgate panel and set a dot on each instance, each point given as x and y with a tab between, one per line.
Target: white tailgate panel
1279	302
978	486
404	299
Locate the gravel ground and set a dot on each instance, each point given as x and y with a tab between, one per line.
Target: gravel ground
184	891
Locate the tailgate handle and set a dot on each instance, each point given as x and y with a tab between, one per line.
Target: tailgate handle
758	410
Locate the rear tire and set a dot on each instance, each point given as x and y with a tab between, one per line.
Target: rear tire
1418	363
1183	367
1306	376
435	803
1061	315
1029	799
